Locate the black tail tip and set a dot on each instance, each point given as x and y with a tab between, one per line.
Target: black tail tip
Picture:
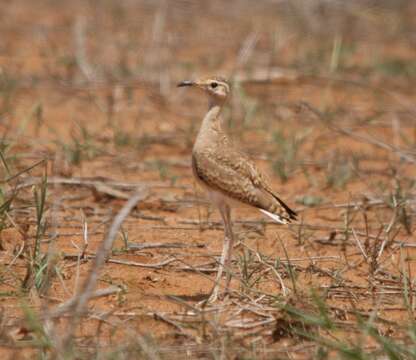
293	215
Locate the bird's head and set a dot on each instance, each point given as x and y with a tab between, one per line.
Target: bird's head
217	87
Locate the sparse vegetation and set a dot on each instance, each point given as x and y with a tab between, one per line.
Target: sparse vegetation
94	134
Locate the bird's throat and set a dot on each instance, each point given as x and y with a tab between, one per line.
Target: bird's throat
210	127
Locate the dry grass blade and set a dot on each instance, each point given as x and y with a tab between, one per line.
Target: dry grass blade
367	139
12	177
135	263
80	302
69	304
81	52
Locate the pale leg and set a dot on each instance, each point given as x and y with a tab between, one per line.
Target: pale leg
228	224
225	260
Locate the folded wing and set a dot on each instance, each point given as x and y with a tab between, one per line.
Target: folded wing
241	182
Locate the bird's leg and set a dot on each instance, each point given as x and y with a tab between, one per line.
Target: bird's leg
228	228
230	246
226	250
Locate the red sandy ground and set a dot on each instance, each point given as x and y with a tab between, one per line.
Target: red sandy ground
195	40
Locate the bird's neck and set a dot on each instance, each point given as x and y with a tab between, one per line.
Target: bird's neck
211	126
213	114
212	119
211	123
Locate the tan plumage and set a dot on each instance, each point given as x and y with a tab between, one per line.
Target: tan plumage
227	173
222	168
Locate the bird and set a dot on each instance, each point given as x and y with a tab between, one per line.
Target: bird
227	174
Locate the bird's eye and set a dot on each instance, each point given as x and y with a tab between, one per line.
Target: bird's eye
214	85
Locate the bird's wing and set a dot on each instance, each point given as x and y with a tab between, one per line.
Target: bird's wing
240	180
231	156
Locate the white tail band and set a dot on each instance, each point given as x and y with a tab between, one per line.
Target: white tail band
275	217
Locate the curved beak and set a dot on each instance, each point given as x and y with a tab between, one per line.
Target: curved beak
186	83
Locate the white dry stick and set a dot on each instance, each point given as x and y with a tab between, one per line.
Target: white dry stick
359	244
247	49
80	49
85	234
80	301
81	252
67	305
388	229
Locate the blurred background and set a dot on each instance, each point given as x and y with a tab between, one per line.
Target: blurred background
123	59
156	40
324	101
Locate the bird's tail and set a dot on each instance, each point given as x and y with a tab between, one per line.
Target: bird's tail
279	219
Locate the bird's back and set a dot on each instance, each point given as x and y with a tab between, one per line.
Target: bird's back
221	167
